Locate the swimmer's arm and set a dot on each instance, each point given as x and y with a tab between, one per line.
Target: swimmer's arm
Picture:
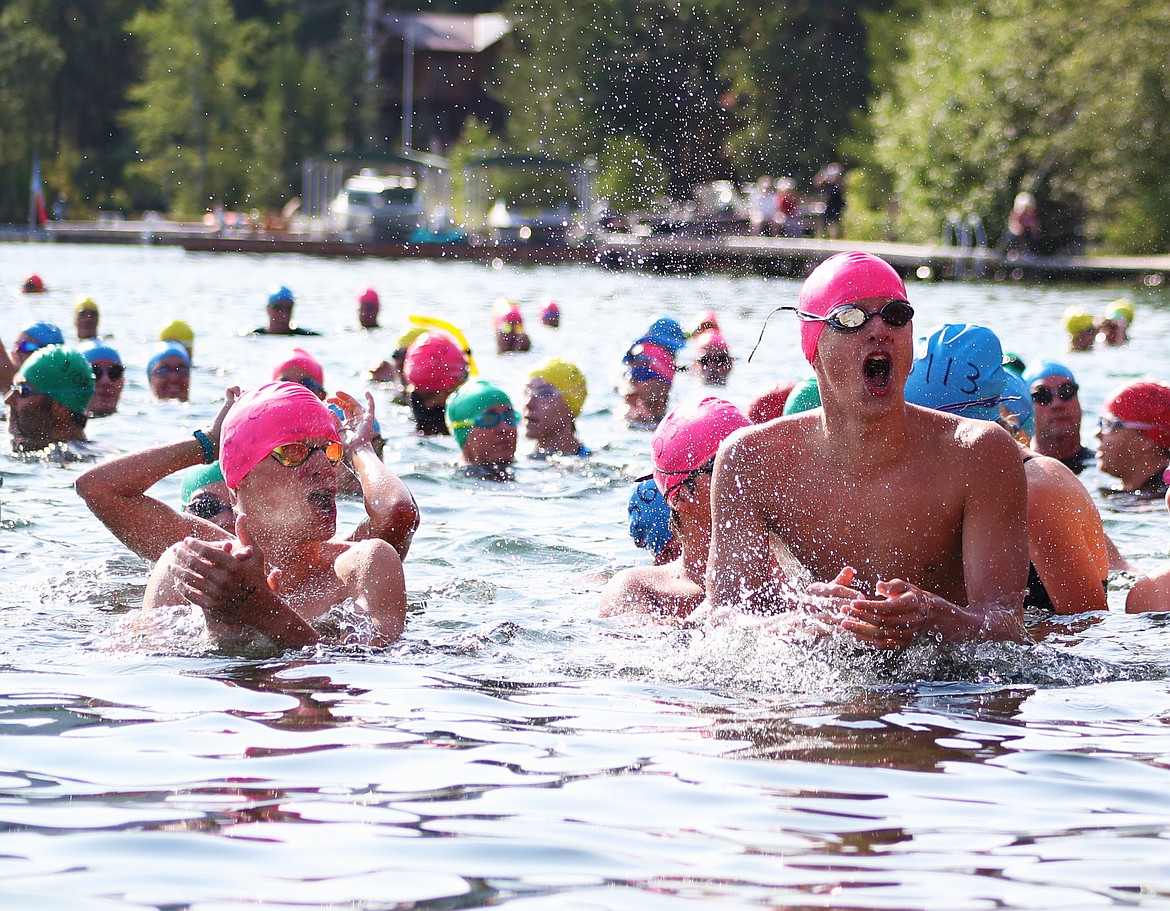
740	570
115	491
391	511
1151	593
995	547
1059	541
372	574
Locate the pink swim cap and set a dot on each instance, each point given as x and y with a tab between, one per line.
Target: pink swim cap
261	420
369	296
552	308
507	312
842	279
435	363
301	358
688	438
711	340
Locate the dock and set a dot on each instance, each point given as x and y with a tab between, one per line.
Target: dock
659	253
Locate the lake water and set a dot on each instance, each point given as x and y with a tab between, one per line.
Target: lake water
514	749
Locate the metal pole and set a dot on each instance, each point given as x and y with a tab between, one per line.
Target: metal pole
407	83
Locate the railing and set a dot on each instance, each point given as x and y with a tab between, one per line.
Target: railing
968	234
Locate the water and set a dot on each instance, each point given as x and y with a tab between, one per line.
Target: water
513	748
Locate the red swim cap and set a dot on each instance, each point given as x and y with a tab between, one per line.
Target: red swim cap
369	296
1144	402
842	279
435	363
770	405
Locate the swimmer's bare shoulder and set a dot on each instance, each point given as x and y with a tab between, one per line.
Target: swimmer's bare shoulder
371	574
654	591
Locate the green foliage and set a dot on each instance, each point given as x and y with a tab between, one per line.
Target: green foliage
193	123
1007	95
629	176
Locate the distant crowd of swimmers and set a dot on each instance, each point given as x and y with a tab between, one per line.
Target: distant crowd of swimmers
912	486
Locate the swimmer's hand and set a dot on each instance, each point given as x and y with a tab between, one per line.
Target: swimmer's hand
358	427
229	399
892	622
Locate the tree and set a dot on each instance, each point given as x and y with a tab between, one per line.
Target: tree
192	120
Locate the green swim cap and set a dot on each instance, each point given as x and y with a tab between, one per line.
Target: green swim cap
468	402
196	478
63	374
1123	308
805	396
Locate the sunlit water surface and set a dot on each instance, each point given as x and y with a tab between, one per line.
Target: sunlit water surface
513	748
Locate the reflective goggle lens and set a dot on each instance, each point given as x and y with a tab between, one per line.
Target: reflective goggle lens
290	455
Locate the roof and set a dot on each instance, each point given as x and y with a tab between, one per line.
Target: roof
448	33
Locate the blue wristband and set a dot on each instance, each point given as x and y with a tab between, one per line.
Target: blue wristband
208	447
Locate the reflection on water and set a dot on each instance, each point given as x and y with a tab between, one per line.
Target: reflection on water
513	748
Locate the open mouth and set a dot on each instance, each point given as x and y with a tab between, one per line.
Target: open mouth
878	369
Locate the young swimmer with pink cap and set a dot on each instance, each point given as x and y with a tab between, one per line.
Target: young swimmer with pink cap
301	367
509	327
275	583
435	366
891	521
684	447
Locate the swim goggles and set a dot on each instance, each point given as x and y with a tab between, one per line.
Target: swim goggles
290	455
490	419
168	369
207	506
113	371
847	318
28	346
1110	424
1066	392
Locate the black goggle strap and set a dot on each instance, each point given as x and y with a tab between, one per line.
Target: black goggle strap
960	407
765	326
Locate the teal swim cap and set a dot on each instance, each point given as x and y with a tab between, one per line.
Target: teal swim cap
805	396
196	478
63	374
468	402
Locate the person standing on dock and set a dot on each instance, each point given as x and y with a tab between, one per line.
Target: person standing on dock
830	180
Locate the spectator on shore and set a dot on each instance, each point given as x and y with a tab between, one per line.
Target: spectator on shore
830	180
762	206
1023	224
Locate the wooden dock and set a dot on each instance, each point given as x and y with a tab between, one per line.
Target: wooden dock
666	253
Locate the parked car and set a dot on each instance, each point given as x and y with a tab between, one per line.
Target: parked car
378	207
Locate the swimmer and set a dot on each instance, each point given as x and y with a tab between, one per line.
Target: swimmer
34	284
1068	550
684	447
556	394
1151	592
509	327
1134	440
301	367
550	314
769	405
1055	397
274	583
204	494
34	338
805	396
1081	329
434	367
368	307
85	319
109	377
394	370
48	400
179	332
483	422
1113	327
649	373
353	478
116	490
649	521
888	521
279	309
169	372
713	362
706	321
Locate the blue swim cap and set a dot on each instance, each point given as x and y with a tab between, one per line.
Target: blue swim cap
167	349
958	368
1045	369
45	334
665	332
280	295
1018	400
649	517
99	352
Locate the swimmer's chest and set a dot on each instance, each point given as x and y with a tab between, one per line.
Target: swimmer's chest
899	525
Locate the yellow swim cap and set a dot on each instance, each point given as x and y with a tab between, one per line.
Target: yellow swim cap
1121	308
568	380
177	331
84	303
408	336
1077	321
